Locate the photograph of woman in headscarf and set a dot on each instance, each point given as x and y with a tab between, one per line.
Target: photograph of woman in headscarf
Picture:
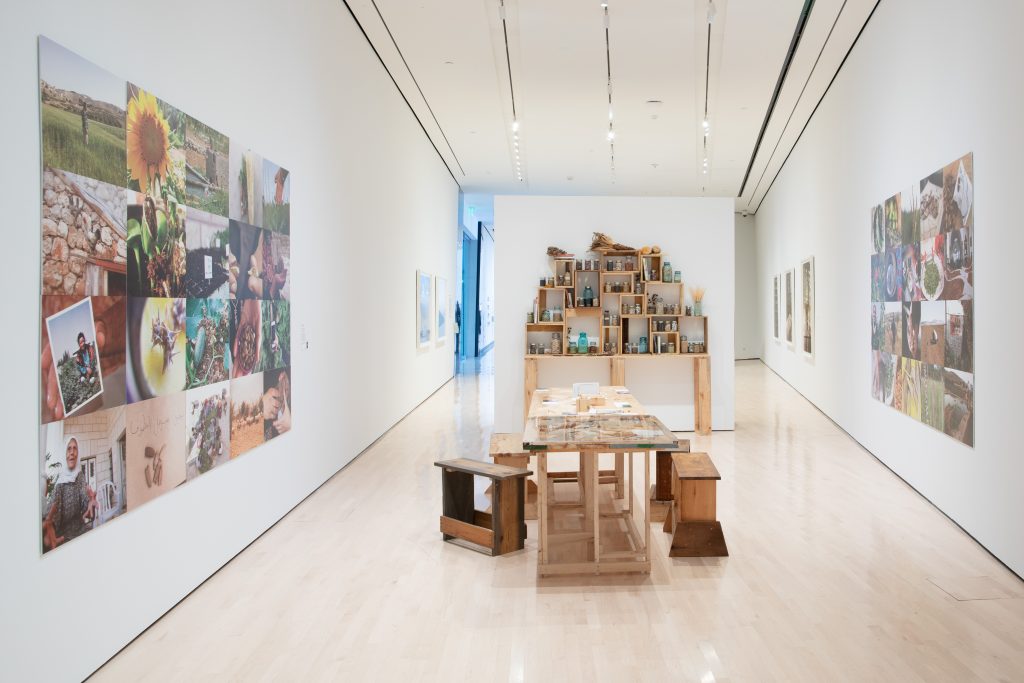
73	503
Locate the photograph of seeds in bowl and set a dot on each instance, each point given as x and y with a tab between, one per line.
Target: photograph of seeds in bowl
246	335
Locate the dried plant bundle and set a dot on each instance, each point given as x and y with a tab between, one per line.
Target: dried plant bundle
697	293
603	242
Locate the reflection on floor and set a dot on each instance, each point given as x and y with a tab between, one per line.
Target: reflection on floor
838	571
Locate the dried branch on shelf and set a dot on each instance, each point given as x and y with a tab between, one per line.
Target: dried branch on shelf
697	293
557	251
603	242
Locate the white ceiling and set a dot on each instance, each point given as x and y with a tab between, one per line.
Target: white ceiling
448	57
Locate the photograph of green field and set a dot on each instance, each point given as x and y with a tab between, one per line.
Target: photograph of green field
83	115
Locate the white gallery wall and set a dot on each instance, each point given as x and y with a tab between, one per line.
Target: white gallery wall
749	342
696	234
371	203
929	81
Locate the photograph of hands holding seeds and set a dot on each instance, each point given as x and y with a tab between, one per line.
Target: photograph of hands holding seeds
165	292
922	300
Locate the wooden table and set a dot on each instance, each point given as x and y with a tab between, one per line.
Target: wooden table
617	365
621	426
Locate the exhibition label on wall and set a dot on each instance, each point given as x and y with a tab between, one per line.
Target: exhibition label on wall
922	294
166	328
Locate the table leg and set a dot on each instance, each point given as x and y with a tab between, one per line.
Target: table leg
529	384
595	501
588	483
542	510
647	505
619	472
702	395
630	483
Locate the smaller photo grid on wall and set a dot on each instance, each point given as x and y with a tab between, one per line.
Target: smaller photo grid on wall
922	294
165	296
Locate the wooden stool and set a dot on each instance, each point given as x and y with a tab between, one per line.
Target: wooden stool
498	532
507	449
661	490
692	520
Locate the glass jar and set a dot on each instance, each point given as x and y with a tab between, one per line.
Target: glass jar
643	345
593	348
671	347
666	272
545	316
572	347
556	342
581	344
608	287
533	349
588	296
678	277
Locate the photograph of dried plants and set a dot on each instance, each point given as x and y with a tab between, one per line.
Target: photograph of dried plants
208	351
208	420
922	294
165	287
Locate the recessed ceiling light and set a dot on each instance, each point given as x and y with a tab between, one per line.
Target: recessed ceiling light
515	126
611	135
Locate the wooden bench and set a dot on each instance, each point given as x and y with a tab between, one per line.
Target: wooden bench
661	489
692	519
500	531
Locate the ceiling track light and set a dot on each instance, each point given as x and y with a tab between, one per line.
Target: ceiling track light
712	11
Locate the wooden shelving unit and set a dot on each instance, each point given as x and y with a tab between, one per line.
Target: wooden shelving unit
622	278
628	286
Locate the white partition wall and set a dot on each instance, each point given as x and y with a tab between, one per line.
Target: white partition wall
928	82
374	203
697	236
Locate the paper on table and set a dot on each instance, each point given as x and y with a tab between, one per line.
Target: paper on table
622	391
622	404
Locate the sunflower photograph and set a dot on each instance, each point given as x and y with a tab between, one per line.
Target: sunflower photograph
155	140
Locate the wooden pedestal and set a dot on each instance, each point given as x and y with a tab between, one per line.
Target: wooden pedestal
692	519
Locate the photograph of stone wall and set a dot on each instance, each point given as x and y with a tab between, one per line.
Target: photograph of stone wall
84	238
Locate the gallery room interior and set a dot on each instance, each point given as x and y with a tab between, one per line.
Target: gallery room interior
513	340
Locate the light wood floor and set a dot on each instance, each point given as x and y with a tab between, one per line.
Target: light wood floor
839	572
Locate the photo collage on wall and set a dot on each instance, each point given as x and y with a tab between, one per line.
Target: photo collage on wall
922	300
165	327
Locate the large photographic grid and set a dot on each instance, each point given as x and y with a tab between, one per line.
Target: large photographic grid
165	297
922	294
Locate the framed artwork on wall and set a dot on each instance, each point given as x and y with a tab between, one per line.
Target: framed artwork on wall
424	314
807	307
775	309
441	308
789	320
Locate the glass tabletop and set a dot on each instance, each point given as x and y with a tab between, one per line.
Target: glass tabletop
596	432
